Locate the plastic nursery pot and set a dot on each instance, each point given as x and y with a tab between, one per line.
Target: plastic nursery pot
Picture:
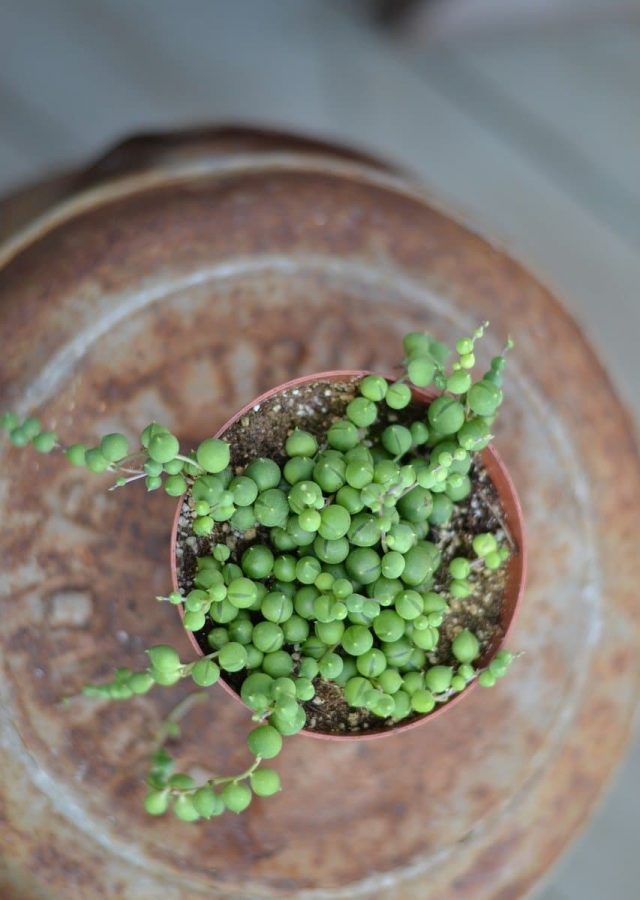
499	476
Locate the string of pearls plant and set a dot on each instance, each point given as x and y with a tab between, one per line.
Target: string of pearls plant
339	581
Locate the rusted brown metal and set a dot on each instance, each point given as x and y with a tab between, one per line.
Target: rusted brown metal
178	294
162	149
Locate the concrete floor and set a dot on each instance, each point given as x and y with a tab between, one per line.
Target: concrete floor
532	133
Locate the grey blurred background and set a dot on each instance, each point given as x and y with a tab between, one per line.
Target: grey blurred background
523	115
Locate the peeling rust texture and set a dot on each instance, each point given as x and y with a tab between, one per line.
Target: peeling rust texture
178	294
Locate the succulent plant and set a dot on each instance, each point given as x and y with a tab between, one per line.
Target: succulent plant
338	582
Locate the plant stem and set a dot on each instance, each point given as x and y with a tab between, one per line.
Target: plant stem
217	780
503	525
179	711
130	457
168	730
186	669
224	779
135	477
189	461
116	467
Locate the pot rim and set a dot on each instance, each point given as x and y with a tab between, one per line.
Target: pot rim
517	571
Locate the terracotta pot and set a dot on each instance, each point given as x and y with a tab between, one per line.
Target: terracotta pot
517	566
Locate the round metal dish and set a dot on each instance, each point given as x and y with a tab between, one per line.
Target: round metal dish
178	293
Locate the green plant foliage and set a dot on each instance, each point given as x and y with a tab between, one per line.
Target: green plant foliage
337	583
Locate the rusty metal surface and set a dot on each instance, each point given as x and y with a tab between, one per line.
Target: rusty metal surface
178	296
149	151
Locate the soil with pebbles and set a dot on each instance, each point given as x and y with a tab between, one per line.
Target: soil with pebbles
313	407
